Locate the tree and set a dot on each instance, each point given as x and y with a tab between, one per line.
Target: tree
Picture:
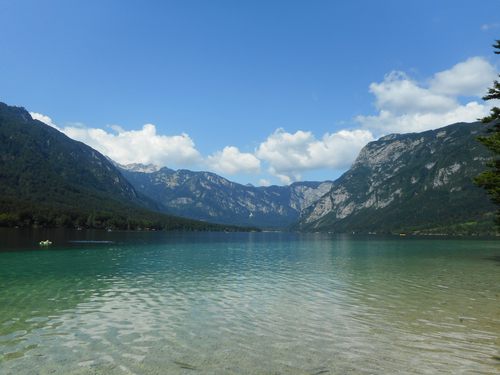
490	179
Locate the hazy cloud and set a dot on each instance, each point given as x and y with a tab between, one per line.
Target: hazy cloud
264	182
489	26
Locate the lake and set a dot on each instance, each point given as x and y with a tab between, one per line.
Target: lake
247	303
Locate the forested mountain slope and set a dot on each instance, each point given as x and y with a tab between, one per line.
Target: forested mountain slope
418	182
48	179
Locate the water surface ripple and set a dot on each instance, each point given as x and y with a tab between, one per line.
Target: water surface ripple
258	303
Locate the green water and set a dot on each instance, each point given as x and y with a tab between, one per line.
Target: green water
252	303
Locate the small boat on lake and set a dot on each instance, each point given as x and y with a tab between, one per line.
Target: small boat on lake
45	243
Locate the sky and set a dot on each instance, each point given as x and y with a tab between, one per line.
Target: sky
261	92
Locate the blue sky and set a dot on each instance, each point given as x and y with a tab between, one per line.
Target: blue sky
257	91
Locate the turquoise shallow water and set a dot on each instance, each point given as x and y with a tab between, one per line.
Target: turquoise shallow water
249	303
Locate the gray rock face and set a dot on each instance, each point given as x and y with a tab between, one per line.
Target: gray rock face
138	167
402	182
207	196
407	182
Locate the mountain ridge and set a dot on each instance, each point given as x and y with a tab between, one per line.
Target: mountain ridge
414	182
452	151
208	196
49	179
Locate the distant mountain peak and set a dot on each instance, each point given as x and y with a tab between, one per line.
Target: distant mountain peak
139	167
208	196
389	137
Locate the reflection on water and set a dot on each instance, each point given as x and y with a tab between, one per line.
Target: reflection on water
257	303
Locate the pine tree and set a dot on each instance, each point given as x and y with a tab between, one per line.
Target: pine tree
490	179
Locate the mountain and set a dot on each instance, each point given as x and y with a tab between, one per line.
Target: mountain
48	179
207	196
138	167
418	182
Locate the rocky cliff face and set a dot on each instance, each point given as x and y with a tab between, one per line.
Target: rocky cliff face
408	182
207	196
419	182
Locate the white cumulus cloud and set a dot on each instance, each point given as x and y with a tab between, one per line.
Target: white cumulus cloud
231	161
290	154
468	78
43	118
133	146
399	94
139	146
387	122
405	105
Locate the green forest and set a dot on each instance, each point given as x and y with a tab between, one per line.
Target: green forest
50	180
